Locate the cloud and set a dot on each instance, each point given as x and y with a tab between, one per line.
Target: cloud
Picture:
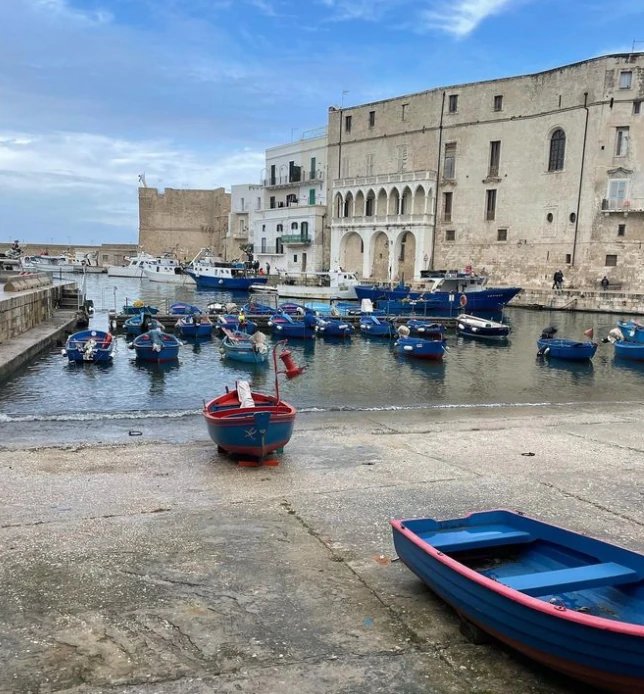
462	17
365	10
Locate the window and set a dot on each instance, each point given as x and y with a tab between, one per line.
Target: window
279	246
501	234
280	228
263	244
403	114
568	259
106	256
550	218
621	142
294	226
572	217
452	106
272	178
447	206
625	79
295	259
402	158
259	203
263	227
304	231
611	261
347	124
621	230
311	196
450	235
637	106
242	228
314	168
369	166
449	161
557	150
616	193
490	204
498	102
372	118
271	202
369	204
495	158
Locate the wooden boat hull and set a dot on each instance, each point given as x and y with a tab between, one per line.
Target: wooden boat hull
629	350
370	325
132	326
253	432
424	328
202	329
330	327
79	348
491	300
231	322
417	348
144	348
599	650
182	309
566	349
243	351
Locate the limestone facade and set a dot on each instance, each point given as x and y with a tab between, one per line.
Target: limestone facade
518	177
183	221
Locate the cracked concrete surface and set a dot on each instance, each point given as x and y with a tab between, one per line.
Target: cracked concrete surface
160	566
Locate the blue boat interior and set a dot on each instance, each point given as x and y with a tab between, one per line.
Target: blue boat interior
542	561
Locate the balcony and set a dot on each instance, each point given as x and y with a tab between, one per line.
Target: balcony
391	220
296	239
240	233
401	177
304	178
623	206
270	250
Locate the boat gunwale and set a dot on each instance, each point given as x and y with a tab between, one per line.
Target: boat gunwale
554	610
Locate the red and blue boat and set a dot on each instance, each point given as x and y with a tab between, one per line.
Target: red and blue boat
89	346
156	346
570	602
232	321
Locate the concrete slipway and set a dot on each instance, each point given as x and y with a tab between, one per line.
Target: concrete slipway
151	564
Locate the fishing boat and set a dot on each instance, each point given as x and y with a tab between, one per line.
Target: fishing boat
441	292
210	272
561	348
133	326
420	348
183	309
44	262
318	285
194	325
252	424
632	330
472	326
629	350
166	269
425	328
236	322
156	346
375	326
133	268
254	308
286	326
239	346
89	346
570	602
332	327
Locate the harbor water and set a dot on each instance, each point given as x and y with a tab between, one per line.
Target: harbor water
360	373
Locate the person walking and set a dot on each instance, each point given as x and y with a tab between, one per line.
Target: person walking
268	268
557	281
605	282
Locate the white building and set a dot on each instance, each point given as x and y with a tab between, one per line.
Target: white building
246	200
288	229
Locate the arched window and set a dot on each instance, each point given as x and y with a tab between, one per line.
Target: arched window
280	228
557	150
304	230
294	226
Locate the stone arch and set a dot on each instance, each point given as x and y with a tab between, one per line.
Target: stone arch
359	205
405	256
338	205
348	205
406	201
352	253
394	202
370	203
381	205
420	198
379	256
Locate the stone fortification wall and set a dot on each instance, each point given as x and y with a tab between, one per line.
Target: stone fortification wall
183	221
26	310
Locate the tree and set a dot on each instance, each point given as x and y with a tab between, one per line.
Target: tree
248	249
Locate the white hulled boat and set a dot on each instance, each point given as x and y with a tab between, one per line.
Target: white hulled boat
134	268
166	269
319	286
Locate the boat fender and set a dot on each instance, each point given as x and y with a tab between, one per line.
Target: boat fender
292	369
463	301
546	350
222	350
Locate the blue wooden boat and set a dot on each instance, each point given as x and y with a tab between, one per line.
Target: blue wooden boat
571	602
231	321
473	326
239	346
254	308
332	327
89	346
378	327
194	326
420	348
560	348
285	326
132	326
138	307
183	309
629	350
425	328
156	346
631	330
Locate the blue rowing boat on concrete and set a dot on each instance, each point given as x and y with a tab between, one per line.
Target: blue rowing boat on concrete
573	603
561	348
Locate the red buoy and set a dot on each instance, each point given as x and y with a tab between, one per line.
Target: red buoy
292	369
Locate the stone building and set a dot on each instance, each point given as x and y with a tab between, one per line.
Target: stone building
518	177
246	200
183	221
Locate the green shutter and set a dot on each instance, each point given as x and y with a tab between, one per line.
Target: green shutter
312	196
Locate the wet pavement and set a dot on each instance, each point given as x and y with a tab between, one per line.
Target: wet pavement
152	564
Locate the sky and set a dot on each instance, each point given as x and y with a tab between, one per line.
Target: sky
94	93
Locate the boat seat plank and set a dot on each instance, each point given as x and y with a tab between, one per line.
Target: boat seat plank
460	540
577	578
